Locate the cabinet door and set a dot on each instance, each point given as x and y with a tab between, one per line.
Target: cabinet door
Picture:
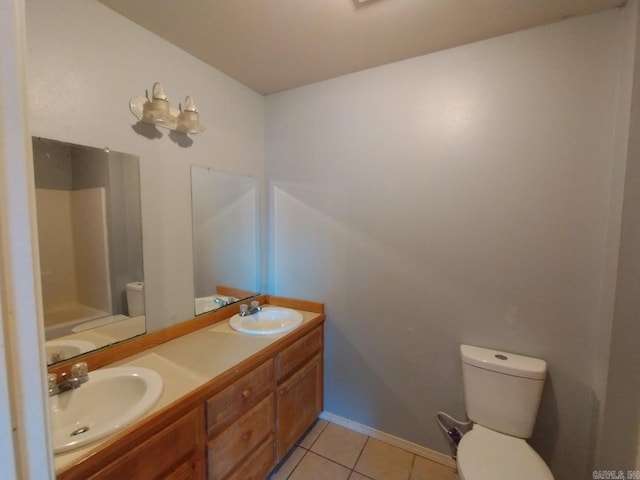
170	453
187	471
299	401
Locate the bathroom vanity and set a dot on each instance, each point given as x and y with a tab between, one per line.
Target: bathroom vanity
233	404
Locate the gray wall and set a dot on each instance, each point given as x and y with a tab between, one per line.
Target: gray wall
468	196
80	82
621	421
52	164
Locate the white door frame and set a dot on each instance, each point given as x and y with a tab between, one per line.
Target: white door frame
25	451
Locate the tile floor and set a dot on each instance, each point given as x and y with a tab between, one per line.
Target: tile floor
331	452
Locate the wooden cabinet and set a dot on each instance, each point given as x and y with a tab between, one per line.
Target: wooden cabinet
236	427
299	391
256	420
173	453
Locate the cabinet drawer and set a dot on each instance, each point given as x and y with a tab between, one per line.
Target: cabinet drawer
230	403
258	465
299	352
231	447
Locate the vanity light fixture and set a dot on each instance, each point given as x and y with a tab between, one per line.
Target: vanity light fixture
157	111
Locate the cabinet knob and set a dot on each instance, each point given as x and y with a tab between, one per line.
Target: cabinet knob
246	436
246	393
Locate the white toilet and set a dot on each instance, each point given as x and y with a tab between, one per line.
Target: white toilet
502	393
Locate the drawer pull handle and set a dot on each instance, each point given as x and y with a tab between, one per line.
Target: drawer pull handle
246	436
246	393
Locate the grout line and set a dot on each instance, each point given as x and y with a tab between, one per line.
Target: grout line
413	464
297	464
360	455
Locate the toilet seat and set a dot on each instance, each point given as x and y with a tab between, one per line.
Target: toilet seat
484	454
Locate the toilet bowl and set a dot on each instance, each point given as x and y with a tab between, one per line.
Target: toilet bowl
502	393
484	454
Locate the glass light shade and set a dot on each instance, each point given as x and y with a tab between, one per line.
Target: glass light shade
157	112
188	121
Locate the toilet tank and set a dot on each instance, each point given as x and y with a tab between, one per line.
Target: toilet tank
135	298
502	391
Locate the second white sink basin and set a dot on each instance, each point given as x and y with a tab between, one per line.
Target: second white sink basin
268	321
112	399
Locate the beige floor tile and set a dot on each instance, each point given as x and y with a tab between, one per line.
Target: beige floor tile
424	469
340	444
314	467
382	461
357	476
284	469
312	434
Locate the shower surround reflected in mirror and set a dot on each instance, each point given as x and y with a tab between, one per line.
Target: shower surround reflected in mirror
90	243
225	238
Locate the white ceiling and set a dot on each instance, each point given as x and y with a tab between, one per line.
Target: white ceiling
275	45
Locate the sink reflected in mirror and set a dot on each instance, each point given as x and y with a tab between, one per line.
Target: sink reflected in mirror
268	321
225	238
112	399
63	349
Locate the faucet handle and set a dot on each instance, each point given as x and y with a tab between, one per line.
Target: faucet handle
244	309
52	380
80	371
255	305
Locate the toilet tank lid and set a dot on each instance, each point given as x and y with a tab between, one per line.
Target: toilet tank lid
135	286
503	362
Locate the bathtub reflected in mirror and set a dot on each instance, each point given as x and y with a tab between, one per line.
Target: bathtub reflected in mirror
90	245
225	238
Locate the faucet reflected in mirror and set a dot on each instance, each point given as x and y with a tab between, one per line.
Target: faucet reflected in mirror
225	237
90	242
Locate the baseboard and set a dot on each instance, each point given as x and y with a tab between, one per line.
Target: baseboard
391	439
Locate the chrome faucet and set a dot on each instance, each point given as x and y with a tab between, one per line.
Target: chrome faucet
220	301
225	301
79	375
249	310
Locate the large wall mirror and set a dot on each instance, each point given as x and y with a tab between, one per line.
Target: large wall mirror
90	244
225	237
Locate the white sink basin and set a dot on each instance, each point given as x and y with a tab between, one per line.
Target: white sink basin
58	350
112	399
268	321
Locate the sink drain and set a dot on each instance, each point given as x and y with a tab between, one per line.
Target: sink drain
78	431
